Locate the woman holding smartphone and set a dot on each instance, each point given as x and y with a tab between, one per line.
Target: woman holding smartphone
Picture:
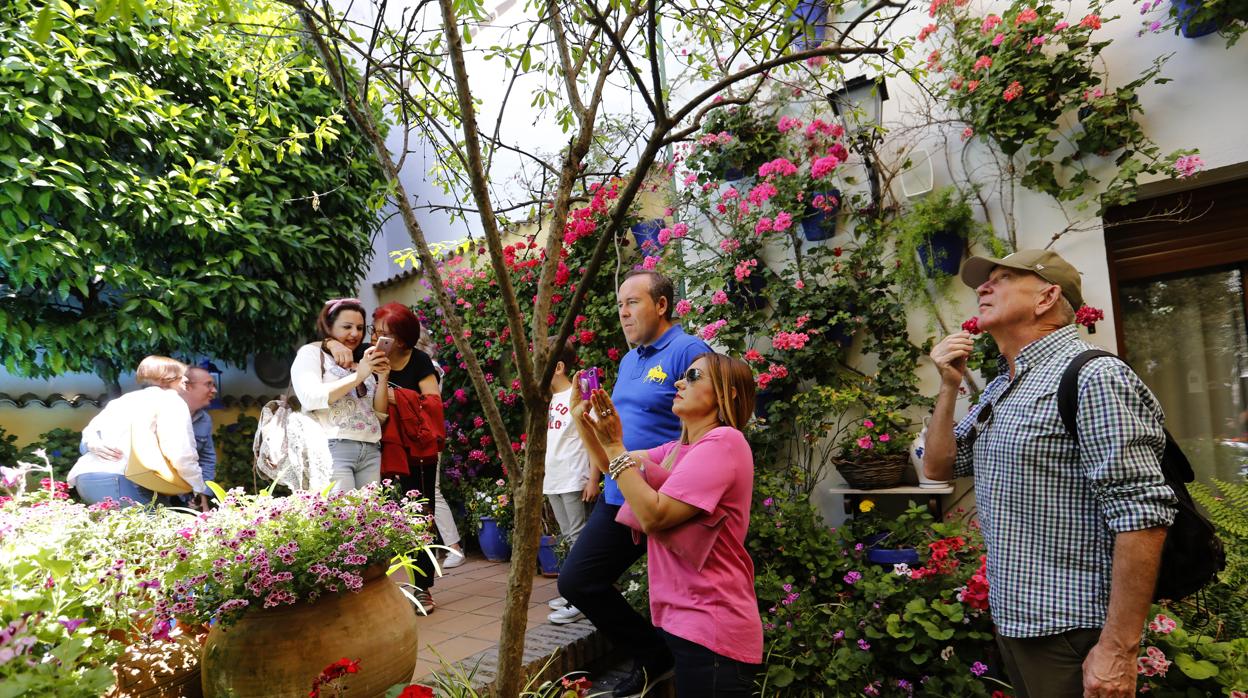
350	405
396	332
692	498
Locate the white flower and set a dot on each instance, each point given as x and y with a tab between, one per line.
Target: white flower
946	653
901	569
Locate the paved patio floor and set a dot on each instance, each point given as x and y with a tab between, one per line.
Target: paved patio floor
469	612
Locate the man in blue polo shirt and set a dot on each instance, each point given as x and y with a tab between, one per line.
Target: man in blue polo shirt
643	395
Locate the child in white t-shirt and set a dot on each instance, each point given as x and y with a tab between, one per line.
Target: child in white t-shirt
570	482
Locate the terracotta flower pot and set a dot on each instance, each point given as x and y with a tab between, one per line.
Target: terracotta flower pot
158	668
279	652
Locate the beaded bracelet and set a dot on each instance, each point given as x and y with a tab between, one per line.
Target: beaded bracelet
619	464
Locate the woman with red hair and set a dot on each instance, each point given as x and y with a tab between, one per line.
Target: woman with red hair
412	375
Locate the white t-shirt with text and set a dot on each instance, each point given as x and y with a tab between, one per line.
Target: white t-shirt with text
567	461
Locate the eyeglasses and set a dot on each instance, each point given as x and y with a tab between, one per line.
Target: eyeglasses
694	375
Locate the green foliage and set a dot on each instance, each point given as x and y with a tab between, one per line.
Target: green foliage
1220	607
8	448
61	447
1014	78
734	140
1177	661
946	211
1229	16
73	575
836	624
235	459
161	193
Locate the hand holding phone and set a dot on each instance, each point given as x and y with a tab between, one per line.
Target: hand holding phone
589	381
385	344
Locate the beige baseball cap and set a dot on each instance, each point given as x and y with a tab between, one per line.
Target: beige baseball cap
1046	264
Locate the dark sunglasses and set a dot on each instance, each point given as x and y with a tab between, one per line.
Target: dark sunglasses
982	421
694	375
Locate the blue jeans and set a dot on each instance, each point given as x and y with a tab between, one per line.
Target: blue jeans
356	463
701	673
603	551
96	487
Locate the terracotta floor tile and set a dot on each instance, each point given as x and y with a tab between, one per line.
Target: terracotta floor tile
481	587
461	623
457	648
467	604
489	631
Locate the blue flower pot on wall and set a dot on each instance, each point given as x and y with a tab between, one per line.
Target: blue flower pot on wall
818	224
1184	10
547	560
648	232
493	540
749	294
942	253
810	18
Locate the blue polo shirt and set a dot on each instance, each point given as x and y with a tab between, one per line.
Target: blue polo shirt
644	390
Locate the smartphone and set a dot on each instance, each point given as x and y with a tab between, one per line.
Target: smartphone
385	344
589	381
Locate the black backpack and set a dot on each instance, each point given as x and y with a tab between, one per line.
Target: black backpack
1192	555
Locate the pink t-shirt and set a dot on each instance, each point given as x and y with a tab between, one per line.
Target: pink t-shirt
715	608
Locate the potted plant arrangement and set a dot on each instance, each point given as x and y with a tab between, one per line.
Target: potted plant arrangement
490	515
733	143
836	624
894	540
934	233
84	621
294	583
1012	76
874	453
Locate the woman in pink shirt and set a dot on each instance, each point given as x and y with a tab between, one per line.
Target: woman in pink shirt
692	498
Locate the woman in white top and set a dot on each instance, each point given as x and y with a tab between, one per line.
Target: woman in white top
348	404
100	473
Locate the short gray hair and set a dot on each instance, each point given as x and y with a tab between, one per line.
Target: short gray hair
1065	311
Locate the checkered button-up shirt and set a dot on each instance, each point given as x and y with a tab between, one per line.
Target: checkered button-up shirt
1049	507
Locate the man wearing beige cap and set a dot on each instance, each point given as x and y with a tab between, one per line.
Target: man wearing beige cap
1074	530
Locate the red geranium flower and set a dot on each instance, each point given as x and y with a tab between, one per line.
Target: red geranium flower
416	691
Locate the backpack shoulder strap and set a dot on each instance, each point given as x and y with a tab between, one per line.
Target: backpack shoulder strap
1068	388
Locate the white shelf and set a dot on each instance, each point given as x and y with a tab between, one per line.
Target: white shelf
907	489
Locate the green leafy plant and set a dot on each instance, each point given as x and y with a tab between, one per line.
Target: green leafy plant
946	212
1013	77
1229	17
79	590
1219	609
235	459
490	498
8	448
60	445
836	624
170	187
734	140
1176	661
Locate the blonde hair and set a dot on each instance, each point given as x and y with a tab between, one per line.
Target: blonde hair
733	382
160	371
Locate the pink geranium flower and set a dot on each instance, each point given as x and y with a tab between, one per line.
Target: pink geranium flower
1013	92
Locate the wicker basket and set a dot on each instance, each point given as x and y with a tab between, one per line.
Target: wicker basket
873	473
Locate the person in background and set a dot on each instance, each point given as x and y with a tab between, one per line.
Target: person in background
643	394
570	484
410	370
99	474
443	518
198	390
692	498
348	404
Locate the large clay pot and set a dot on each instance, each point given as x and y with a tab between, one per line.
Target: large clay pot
279	652
152	669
